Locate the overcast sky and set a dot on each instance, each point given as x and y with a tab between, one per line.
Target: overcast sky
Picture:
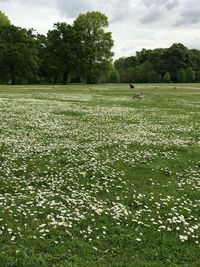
135	24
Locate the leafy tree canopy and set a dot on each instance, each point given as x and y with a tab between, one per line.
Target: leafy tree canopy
82	52
4	21
174	64
95	43
18	58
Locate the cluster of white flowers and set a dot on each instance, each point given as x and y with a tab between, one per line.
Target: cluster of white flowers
67	167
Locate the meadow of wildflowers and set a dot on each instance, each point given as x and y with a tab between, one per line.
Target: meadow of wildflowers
90	177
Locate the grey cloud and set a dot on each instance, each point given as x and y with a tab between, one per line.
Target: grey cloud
73	8
120	14
156	9
188	17
148	3
172	4
35	3
168	4
194	43
152	17
118	17
116	9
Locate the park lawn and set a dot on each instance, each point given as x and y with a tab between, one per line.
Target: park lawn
90	177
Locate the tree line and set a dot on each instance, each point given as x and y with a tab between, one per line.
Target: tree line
82	52
174	64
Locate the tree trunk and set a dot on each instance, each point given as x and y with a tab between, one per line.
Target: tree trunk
13	79
55	79
65	77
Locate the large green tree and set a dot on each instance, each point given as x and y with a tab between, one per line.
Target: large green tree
170	63
152	77
143	56
19	61
143	70
4	20
95	44
60	55
181	77
189	75
167	77
125	63
41	43
177	57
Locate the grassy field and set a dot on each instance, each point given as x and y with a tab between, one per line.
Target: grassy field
90	177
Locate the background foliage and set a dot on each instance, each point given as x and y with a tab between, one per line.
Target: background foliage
174	64
82	52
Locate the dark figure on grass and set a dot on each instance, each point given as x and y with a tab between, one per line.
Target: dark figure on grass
131	86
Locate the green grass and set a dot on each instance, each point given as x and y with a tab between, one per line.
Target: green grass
90	177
